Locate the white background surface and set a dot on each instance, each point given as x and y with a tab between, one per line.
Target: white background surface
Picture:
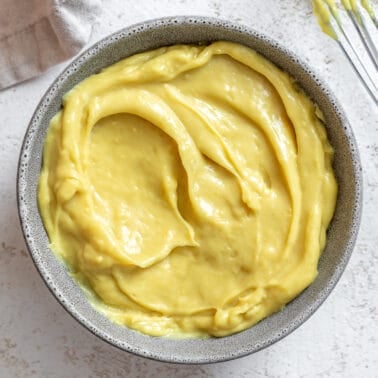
39	339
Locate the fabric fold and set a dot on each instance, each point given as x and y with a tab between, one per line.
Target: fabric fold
37	34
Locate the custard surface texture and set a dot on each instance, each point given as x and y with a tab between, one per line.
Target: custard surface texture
189	189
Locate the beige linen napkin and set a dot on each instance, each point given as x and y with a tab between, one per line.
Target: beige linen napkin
36	34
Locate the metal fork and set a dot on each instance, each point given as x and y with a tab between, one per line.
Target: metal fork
354	26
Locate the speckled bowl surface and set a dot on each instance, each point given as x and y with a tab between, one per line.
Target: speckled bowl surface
341	235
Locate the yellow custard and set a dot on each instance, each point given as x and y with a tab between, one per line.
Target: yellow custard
189	188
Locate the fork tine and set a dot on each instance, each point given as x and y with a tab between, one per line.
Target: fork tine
373	93
332	24
356	56
362	32
370	11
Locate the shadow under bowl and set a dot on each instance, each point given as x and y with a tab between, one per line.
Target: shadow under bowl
341	234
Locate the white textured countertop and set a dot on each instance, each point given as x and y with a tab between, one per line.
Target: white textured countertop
39	339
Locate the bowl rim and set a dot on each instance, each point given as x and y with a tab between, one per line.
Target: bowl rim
252	33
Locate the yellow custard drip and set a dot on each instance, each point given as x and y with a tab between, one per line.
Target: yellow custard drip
369	8
323	11
189	189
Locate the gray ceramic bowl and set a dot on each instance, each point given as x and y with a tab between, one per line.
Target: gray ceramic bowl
341	234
